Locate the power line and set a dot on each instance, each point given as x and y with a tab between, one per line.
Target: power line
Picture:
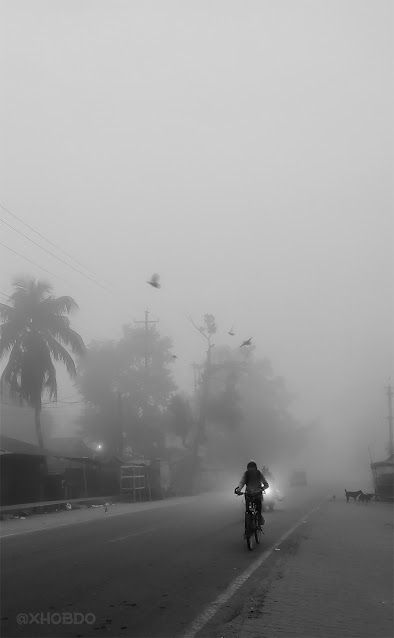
49	241
389	391
33	262
63	261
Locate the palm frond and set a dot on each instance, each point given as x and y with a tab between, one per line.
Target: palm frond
59	327
31	287
9	336
59	305
59	353
41	288
76	343
11	372
6	312
50	381
21	284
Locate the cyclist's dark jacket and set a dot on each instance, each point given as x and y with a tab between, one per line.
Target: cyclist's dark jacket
254	482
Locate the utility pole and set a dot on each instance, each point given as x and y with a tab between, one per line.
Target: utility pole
120	425
147	322
389	392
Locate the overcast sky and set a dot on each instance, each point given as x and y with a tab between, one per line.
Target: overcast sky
243	150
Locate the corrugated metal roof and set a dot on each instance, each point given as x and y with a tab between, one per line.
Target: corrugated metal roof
8	445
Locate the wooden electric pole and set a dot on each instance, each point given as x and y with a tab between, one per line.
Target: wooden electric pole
389	392
147	322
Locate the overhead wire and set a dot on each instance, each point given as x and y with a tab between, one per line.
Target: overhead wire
49	241
49	252
12	250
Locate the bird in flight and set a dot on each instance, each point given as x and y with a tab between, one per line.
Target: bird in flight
247	342
154	281
174	357
231	332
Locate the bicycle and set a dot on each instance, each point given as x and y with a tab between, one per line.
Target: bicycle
253	530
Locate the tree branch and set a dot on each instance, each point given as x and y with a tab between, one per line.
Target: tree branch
200	330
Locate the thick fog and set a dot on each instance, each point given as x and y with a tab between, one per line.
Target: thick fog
243	151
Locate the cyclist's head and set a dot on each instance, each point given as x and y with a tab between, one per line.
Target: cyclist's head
252	465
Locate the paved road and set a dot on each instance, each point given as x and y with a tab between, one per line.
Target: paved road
333	578
144	573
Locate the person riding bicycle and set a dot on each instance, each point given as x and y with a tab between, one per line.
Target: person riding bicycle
254	482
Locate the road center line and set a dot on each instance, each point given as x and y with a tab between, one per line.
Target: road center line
208	613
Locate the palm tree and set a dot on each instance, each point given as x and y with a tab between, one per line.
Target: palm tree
35	331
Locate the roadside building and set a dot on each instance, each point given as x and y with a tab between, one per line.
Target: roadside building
383	477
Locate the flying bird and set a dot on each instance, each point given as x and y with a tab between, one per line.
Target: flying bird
174	357
247	342
231	332
154	280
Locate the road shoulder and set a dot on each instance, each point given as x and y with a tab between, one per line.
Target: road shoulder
83	514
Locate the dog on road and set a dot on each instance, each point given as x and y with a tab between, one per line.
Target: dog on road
353	495
365	498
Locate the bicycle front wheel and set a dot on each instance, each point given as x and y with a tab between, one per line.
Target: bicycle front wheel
251	542
257	536
250	532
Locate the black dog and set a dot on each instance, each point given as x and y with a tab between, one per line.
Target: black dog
353	495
